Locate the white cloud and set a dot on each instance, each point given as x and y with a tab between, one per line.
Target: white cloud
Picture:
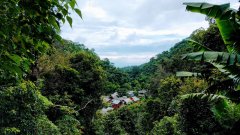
110	24
94	11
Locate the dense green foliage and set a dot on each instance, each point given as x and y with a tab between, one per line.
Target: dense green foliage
51	86
167	126
22	110
27	31
206	104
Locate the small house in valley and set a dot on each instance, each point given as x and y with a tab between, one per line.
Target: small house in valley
113	101
142	93
130	93
114	95
116	103
134	99
127	101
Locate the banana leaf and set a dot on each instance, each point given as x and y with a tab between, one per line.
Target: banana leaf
197	45
227	63
209	97
226	19
228	59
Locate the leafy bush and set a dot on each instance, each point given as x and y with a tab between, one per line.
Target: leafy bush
69	125
45	127
9	131
154	110
20	107
169	87
196	117
108	124
61	84
166	126
129	119
228	116
192	85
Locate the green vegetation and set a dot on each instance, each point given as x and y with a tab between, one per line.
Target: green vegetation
52	86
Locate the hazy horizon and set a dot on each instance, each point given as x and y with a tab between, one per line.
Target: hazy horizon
129	33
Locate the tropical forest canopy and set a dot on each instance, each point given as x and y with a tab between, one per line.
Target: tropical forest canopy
53	86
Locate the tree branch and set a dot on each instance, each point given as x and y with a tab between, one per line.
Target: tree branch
85	105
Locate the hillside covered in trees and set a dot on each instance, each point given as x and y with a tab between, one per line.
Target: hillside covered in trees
53	86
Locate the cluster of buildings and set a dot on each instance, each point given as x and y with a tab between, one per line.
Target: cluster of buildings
116	101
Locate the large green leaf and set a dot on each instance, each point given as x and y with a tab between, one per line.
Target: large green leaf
222	12
225	19
209	97
198	45
78	12
69	19
227	63
72	3
225	58
15	58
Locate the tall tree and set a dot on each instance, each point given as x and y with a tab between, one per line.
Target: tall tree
27	28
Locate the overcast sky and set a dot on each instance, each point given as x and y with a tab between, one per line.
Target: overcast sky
130	32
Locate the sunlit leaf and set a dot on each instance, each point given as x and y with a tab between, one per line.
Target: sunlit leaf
17	59
72	3
69	19
78	12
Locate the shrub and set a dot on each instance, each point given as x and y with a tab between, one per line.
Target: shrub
109	124
69	125
20	108
166	126
196	117
45	127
